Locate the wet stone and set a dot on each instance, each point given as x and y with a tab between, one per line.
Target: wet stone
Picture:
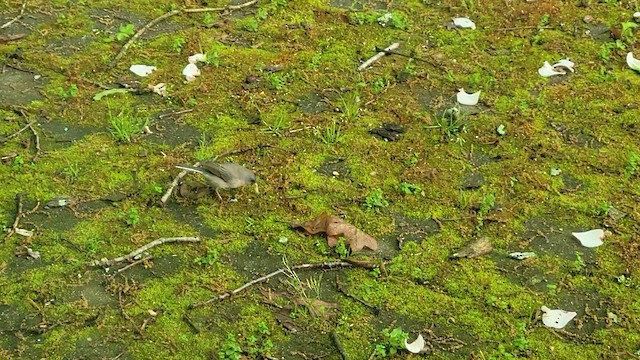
313	104
600	32
388	132
57	135
472	180
168	131
571	184
333	167
412	229
19	87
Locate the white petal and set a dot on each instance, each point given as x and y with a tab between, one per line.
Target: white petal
556	318
142	70
522	255
591	238
416	346
191	71
197	57
160	89
24	232
467	99
464	22
547	70
565	63
633	62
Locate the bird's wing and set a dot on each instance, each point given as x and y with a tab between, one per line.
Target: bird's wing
218	170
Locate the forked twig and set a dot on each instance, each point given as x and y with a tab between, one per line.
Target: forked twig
324	265
168	15
138	251
8	23
378	56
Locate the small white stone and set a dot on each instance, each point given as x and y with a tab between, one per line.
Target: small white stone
465	23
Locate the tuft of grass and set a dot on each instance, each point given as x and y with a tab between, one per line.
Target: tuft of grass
331	134
451	124
277	121
350	105
376	200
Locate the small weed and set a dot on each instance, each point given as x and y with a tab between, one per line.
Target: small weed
486	204
602	209
17	163
209	259
124	32
69	93
71	171
626	34
379	84
277	121
230	349
376	200
394	20
177	43
131	217
470	5
277	81
259	344
412	161
409	188
633	161
208	19
393	342
451	124
578	264
248	24
350	105
330	135
213	58
363	17
520	342
125	126
341	249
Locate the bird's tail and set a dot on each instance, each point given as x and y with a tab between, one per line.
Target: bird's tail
191	168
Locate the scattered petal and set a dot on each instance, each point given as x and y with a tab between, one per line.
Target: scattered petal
193	59
190	72
24	232
565	63
33	254
416	346
467	99
464	23
522	255
591	238
160	89
636	15
555	171
547	70
556	318
501	130
142	70
476	248
633	62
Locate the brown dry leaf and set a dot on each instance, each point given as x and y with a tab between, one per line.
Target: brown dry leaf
335	227
475	248
11	37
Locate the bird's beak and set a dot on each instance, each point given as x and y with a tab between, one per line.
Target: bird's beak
255	187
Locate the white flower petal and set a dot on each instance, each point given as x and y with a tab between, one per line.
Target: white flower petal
160	89
467	99
633	62
197	57
565	63
464	22
522	255
556	318
190	72
591	238
142	70
547	70
416	346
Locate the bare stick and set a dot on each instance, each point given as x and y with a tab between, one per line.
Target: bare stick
378	56
168	15
19	214
174	183
138	251
125	268
24	5
524	27
37	142
324	265
3	140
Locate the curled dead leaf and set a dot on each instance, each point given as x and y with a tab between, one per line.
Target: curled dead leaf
475	248
335	228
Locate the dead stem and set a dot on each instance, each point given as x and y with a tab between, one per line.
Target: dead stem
8	23
140	250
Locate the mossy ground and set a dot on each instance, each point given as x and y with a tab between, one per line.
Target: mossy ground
283	80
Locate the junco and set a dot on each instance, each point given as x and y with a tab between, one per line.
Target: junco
223	175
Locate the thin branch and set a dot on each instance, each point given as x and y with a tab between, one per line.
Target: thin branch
138	251
174	183
147	258
324	265
524	27
378	56
3	140
24	5
168	15
37	142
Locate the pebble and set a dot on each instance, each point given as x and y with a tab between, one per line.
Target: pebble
587	19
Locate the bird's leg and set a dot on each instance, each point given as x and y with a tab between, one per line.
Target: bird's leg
219	197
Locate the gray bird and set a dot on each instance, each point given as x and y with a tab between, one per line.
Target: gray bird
223	176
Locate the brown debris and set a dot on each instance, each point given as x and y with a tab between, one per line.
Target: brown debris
476	248
335	228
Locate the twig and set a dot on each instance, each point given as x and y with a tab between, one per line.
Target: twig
378	56
174	183
24	5
19	215
168	15
324	265
338	344
391	52
175	113
524	27
138	251
37	142
134	264
3	140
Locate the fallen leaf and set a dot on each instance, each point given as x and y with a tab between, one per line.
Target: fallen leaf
335	228
142	70
11	37
474	249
